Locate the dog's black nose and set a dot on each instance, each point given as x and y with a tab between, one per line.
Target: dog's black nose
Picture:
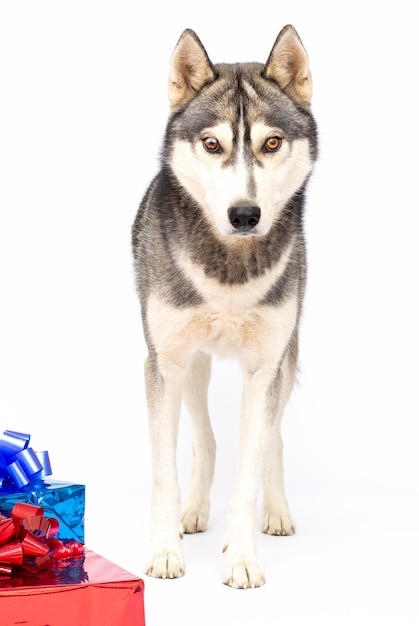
244	218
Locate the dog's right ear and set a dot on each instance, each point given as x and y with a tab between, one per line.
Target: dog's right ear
190	69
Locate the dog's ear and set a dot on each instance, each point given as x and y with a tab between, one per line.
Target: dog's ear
190	69
288	66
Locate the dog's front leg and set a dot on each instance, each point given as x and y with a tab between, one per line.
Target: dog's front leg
163	398
242	568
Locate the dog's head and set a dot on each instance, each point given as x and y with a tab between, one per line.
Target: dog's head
242	140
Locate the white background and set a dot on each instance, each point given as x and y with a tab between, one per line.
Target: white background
83	109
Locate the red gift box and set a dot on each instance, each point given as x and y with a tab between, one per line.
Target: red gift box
84	591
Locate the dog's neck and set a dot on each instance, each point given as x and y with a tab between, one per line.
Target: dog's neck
235	259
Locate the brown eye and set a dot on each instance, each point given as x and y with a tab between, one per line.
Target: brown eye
211	144
272	144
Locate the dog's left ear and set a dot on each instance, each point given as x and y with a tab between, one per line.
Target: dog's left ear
190	69
288	66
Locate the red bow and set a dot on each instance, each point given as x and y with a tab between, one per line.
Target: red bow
26	540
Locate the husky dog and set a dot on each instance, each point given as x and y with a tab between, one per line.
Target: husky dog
220	265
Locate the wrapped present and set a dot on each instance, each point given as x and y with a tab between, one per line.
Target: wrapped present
85	590
64	501
25	477
28	541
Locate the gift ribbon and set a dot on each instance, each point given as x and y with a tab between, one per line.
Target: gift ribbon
27	540
19	463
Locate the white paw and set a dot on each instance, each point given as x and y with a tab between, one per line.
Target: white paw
165	564
194	521
278	522
243	574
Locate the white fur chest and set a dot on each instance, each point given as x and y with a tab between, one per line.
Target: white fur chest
230	320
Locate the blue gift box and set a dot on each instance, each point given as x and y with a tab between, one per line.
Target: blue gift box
25	477
65	501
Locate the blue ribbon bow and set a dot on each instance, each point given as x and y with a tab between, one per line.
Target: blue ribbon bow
20	464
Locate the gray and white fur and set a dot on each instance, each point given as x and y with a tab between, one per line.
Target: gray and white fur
221	266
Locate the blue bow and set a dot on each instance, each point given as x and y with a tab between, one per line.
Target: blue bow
20	464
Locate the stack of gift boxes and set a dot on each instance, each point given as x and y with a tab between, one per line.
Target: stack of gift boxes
47	575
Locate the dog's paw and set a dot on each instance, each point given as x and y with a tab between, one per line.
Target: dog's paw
278	523
194	521
243	574
165	564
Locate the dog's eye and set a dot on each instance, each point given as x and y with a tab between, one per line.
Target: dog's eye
272	144
211	144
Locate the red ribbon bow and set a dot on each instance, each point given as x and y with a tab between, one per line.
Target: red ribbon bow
26	540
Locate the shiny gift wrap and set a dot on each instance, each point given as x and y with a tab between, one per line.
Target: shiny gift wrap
64	501
24	477
84	591
28	542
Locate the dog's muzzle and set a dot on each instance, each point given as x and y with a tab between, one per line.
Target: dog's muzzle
244	218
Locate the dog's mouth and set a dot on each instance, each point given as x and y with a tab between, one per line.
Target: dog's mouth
244	234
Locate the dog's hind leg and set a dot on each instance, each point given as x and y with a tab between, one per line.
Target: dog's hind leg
195	511
277	518
163	398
